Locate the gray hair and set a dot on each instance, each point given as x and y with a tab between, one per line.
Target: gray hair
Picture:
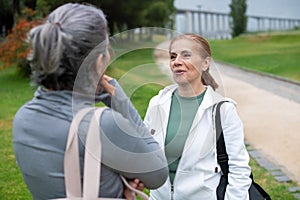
60	45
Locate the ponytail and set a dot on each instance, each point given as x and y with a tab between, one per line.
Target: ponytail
48	47
52	43
207	79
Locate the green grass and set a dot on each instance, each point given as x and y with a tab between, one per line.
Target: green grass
139	69
139	76
14	91
276	190
276	54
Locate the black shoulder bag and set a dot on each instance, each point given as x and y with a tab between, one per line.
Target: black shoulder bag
255	191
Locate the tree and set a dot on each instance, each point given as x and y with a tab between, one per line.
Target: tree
10	11
238	10
30	4
6	17
158	14
124	15
13	49
16	7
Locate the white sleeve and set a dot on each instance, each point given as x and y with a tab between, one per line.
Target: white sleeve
239	169
149	113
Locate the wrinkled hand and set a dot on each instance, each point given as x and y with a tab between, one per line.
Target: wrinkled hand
137	184
110	89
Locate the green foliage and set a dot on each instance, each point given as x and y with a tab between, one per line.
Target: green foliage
276	54
238	10
6	6
124	15
158	14
42	7
121	15
30	4
14	49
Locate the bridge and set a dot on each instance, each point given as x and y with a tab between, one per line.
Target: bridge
216	25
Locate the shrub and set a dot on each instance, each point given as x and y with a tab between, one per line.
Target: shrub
14	49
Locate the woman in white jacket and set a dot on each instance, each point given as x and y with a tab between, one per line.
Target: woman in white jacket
181	119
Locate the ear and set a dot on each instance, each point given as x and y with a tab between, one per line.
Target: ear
206	63
99	65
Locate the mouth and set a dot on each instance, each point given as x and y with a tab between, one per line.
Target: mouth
179	71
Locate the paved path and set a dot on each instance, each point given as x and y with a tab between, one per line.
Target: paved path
269	108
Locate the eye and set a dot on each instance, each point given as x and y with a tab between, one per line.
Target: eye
172	56
186	55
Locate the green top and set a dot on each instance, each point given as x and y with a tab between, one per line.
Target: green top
182	113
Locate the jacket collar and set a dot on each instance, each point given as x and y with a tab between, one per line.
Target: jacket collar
210	98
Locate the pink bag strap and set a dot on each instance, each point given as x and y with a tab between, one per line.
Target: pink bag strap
71	159
92	160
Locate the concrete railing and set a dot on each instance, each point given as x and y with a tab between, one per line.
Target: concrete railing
216	25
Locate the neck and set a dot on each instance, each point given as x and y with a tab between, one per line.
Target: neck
188	90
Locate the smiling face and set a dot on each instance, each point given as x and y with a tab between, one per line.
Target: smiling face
187	61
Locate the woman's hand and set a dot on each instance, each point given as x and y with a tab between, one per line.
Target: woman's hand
110	89
137	184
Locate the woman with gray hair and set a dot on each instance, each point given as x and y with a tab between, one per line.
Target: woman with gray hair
68	59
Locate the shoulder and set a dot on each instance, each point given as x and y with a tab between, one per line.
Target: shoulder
228	105
229	114
228	109
230	101
212	98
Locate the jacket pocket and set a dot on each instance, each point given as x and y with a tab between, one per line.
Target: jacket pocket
191	185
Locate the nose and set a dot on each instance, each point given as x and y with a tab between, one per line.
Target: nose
178	61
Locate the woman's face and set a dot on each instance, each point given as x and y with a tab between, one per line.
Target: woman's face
186	62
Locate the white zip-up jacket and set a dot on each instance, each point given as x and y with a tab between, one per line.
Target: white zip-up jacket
198	172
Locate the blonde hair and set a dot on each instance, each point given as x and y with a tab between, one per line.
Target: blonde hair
205	52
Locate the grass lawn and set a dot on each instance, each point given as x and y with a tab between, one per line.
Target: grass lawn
139	69
273	53
139	76
14	92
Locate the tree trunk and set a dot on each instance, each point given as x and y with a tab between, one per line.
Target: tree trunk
16	10
16	7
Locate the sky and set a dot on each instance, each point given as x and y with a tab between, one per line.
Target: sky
267	8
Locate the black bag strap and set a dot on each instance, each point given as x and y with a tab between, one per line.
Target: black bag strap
222	155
